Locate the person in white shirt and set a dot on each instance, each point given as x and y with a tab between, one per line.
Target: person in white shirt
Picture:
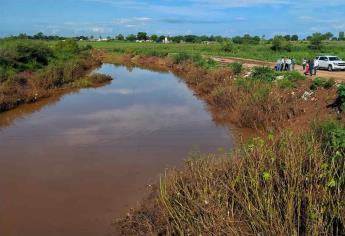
304	63
316	66
288	64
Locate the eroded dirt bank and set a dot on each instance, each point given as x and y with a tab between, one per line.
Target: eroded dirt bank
293	108
29	87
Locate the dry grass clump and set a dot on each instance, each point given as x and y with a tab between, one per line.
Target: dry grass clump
283	186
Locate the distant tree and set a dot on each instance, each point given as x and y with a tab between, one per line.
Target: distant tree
246	39
131	37
177	39
228	46
237	39
316	41
160	38
219	39
154	37
39	35
341	36
203	38
91	37
255	40
120	37
328	36
287	37
279	43
294	37
22	36
191	38
142	36
81	37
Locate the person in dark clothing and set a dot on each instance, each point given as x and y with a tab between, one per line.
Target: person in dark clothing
311	67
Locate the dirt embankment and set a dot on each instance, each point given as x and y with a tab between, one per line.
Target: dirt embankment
29	87
246	107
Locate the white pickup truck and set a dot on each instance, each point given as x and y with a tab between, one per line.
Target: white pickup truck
330	63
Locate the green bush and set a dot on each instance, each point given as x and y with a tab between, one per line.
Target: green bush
332	136
180	57
228	46
236	67
22	56
258	89
68	46
292	75
279	43
263	73
286	84
322	82
341	96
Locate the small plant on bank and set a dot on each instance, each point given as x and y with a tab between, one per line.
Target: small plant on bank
286	84
341	97
292	75
236	67
322	82
263	74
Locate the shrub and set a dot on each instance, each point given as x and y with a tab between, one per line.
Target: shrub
263	73
180	57
279	43
228	46
293	75
285	84
236	67
315	41
322	82
28	52
68	46
341	96
332	136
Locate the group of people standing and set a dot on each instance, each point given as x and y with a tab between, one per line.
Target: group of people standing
310	66
285	64
288	64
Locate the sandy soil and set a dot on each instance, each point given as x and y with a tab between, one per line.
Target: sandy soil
339	76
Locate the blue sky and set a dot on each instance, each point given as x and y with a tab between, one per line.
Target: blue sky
171	17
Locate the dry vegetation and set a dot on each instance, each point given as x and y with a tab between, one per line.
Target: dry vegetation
286	185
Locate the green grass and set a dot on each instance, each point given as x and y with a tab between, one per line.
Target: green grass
262	51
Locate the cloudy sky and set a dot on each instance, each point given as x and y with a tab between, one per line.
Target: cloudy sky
171	17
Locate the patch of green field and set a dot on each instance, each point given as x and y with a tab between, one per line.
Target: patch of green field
261	51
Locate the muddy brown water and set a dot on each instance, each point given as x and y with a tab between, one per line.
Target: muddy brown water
71	164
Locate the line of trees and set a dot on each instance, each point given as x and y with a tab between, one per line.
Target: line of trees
41	36
280	42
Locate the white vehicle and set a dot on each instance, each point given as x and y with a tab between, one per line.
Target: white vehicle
330	63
